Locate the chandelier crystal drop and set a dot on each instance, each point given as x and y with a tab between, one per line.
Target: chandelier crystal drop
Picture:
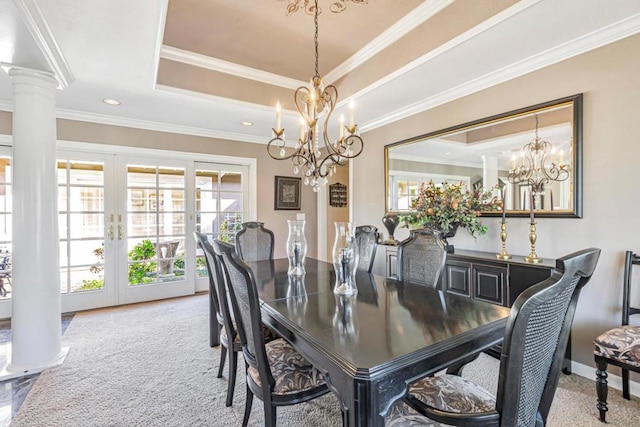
315	102
538	165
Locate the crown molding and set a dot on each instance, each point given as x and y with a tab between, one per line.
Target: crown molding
221	66
6	106
456	41
591	41
46	42
155	126
394	33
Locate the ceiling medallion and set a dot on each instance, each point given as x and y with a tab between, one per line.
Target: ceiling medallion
336	6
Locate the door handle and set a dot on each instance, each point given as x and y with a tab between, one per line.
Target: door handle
120	232
110	232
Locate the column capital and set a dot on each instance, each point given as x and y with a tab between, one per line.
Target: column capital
28	80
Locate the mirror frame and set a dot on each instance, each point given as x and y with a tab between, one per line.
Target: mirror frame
574	211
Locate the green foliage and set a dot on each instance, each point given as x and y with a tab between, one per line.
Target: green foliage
139	272
92	285
229	228
443	206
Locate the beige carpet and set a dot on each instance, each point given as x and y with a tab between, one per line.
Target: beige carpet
151	365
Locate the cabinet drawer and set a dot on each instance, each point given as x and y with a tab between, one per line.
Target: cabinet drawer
489	283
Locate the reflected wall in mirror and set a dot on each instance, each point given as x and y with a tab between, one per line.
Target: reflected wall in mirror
491	152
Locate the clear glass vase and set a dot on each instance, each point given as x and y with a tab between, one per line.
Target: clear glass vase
345	258
296	247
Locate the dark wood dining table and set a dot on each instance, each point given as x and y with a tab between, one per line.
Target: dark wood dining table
371	346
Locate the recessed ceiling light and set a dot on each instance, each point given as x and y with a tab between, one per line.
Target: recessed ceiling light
110	101
245	123
447	153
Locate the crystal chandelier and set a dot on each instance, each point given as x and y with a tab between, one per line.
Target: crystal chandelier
538	165
316	162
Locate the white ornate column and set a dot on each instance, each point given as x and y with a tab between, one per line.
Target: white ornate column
35	322
489	171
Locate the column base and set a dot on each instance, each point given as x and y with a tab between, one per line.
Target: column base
11	371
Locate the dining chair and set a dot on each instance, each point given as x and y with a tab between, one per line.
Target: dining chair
276	372
618	346
254	242
220	312
367	241
533	349
215	316
421	258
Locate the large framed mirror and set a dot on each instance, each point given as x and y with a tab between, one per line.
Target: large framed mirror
533	151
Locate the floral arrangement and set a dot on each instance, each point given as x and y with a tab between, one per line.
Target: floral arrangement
446	206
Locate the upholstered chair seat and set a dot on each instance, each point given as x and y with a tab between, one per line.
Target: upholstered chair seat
621	344
403	415
292	372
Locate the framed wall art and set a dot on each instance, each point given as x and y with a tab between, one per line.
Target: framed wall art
287	193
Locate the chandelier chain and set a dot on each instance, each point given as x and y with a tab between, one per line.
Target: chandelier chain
315	39
316	103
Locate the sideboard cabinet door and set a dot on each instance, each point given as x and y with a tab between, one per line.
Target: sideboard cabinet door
457	277
490	283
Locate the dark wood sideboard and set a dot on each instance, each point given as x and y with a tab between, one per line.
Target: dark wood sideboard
480	275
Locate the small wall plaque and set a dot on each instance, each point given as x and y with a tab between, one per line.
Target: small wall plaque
338	195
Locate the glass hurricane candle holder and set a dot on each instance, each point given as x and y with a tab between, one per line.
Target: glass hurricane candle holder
296	247
345	258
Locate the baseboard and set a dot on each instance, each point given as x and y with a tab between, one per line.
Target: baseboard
614	381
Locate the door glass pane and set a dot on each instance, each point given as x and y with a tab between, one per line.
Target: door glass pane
156	216
219	206
81	225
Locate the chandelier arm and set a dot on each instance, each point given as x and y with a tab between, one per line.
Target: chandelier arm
278	144
333	159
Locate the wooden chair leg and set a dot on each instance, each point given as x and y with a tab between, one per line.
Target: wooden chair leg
625	384
223	357
233	366
601	388
247	407
269	414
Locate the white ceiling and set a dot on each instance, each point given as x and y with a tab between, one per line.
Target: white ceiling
111	49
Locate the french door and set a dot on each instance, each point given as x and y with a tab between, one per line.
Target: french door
126	223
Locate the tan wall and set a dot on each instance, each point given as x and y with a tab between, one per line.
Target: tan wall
335	214
69	130
608	77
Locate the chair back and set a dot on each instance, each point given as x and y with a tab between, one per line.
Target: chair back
254	242
630	259
246	307
536	338
421	258
217	288
367	240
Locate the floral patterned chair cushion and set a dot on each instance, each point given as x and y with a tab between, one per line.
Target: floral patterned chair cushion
621	344
446	392
403	415
452	393
291	372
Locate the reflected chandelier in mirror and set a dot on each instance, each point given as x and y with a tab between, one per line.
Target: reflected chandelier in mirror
537	149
